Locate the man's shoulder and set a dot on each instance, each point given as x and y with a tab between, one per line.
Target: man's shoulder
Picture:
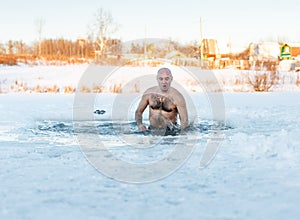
175	92
151	90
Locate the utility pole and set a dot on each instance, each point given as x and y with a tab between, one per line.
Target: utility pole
39	25
145	43
201	46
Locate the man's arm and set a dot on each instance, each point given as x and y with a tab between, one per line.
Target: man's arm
182	111
139	112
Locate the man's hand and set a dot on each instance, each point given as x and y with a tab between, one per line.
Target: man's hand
142	127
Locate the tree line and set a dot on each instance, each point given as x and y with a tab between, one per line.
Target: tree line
63	49
57	47
98	43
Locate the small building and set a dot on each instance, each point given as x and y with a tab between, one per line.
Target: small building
285	52
174	55
264	51
289	51
295	50
180	59
210	48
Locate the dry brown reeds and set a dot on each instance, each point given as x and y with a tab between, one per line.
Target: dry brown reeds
262	81
116	88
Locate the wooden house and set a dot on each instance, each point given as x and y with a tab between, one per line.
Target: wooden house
289	51
264	51
285	52
210	49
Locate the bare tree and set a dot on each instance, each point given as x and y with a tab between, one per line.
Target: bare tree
2	49
10	46
20	47
102	29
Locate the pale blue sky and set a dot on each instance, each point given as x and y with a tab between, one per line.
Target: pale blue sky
239	22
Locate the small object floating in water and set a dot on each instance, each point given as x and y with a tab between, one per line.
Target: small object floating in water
99	112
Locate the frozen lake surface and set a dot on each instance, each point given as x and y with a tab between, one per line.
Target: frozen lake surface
44	173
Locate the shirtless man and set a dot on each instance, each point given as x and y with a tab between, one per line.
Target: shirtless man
165	104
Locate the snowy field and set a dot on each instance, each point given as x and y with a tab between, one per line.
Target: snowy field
62	79
45	173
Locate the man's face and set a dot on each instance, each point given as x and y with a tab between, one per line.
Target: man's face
164	79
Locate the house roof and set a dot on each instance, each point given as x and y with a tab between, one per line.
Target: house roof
295	51
174	54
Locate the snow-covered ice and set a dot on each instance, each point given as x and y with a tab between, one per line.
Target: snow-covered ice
44	173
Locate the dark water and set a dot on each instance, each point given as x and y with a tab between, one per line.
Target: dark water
113	128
